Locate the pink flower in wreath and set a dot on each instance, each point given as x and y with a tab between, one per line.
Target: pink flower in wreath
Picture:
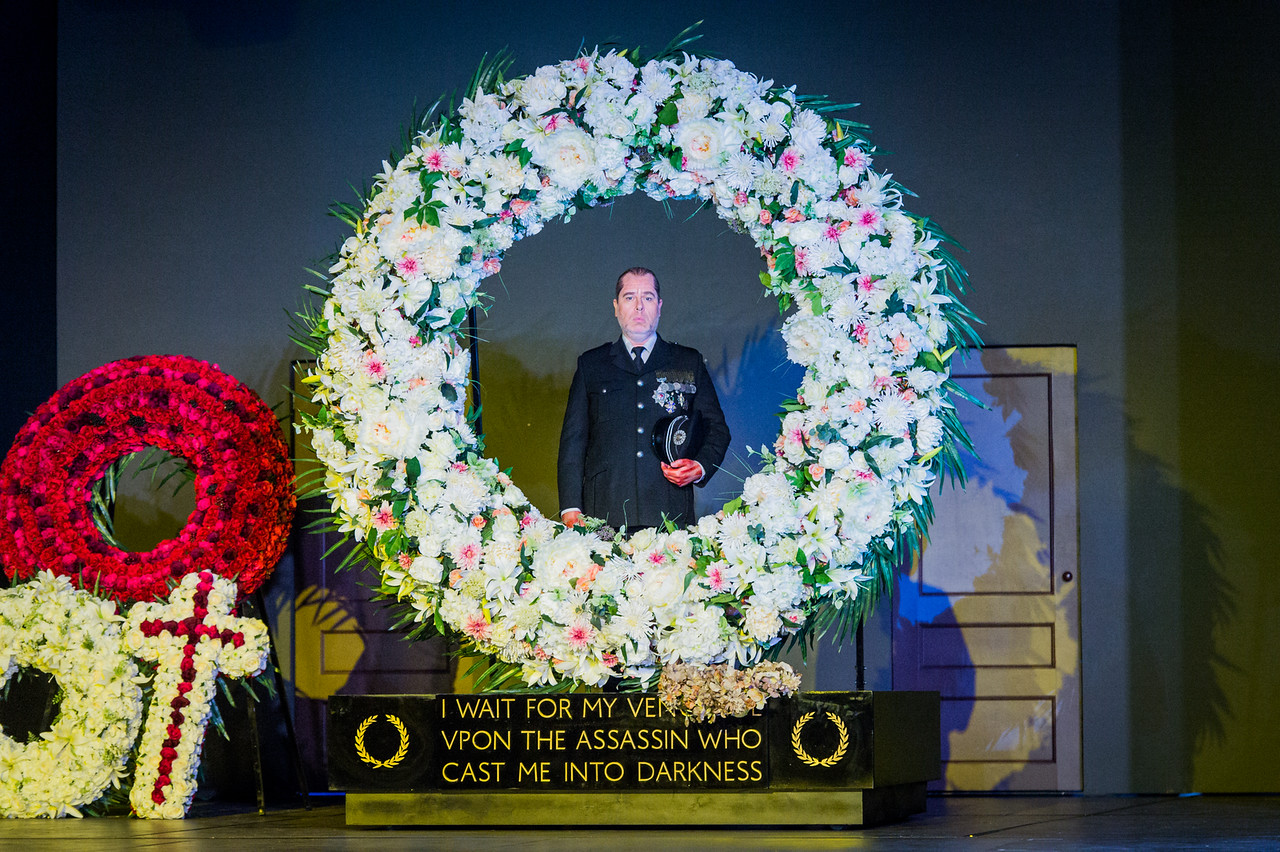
372	366
580	634
868	218
384	518
477	627
433	159
856	158
468	555
802	261
717	579
790	160
407	266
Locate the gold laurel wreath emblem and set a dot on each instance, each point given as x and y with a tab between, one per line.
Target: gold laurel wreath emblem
395	758
841	747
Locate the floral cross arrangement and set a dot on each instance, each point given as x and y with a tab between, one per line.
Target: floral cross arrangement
89	638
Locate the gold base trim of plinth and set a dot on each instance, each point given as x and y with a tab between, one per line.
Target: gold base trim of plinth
614	809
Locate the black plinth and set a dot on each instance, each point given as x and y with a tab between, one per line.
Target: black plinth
819	758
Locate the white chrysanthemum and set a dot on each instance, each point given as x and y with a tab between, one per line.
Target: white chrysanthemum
890	456
697	636
464	491
769	182
769	491
482	120
656	82
608	116
780	589
762	623
741	170
618	69
923	379
928	434
771	126
808	130
891	415
540	92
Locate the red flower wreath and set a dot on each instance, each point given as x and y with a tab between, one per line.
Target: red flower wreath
188	408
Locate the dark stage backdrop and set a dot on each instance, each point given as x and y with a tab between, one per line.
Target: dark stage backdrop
1110	167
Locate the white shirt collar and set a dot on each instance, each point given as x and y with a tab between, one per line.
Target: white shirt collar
648	346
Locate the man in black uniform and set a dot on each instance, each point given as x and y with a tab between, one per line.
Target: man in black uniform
607	466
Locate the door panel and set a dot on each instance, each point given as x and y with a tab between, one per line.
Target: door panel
988	614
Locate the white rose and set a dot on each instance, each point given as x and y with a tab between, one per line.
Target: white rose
808	338
700	140
851	243
834	457
693	104
439	257
663	589
569	157
425	569
387	432
807	232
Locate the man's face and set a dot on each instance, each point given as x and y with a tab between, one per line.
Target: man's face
637	307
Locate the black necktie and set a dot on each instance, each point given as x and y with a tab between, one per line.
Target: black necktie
636	352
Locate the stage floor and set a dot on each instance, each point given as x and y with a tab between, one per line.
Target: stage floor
970	823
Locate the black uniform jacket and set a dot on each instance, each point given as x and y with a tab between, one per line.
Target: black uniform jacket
607	467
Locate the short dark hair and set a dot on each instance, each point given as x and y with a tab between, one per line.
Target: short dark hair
638	270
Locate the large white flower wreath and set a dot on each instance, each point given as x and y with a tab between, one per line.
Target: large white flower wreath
841	497
48	625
